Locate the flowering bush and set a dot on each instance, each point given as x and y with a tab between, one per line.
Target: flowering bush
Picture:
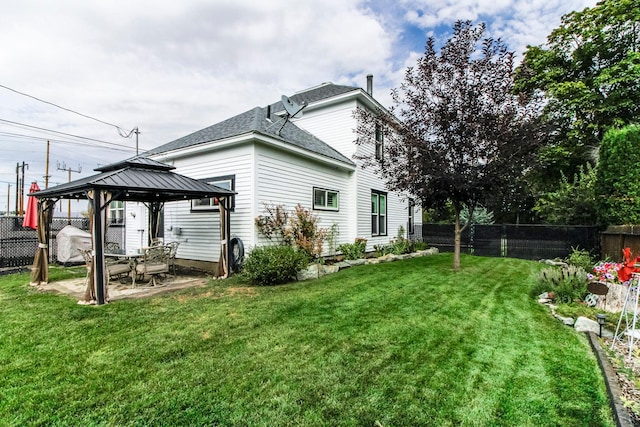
605	271
566	284
616	272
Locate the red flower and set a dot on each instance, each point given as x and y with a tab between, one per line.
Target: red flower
628	266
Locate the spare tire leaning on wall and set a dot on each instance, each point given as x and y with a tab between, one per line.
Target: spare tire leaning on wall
237	254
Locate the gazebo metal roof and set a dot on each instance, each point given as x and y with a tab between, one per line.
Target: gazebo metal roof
138	179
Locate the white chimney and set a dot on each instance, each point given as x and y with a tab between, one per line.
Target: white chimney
370	84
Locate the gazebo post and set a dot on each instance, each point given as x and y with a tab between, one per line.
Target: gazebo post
227	224
98	245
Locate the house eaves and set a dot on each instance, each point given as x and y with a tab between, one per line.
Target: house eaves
250	138
249	126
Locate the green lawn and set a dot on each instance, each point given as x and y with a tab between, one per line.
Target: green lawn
409	343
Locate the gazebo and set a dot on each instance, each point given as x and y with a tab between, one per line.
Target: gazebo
139	179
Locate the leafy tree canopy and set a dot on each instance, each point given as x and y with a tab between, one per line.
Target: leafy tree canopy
589	71
573	203
616	188
456	133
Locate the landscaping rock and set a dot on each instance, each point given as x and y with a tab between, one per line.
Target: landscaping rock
584	324
613	301
544	300
425	252
329	269
311	272
354	262
343	264
555	262
315	271
566	320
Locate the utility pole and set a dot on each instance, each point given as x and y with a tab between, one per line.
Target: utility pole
68	169
137	132
46	172
17	186
20	188
8	199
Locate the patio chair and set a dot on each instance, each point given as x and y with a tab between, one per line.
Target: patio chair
154	262
86	255
118	269
111	247
173	250
157	242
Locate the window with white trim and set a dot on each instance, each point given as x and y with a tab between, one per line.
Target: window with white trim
378	213
324	199
410	223
379	143
116	212
227	182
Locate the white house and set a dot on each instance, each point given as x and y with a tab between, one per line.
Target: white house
267	159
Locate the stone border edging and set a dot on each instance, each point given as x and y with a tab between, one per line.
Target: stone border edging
315	271
620	413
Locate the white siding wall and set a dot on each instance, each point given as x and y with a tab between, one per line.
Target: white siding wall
136	223
200	230
397	205
283	179
266	175
334	125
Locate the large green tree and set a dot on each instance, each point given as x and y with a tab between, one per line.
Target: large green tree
456	135
589	71
616	187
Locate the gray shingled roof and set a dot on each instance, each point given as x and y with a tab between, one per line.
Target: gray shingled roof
318	93
256	121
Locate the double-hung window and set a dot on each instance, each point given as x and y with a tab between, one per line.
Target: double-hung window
410	222
227	182
327	200
379	143
378	213
116	212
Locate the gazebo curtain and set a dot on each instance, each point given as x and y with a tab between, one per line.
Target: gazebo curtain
223	262
91	292
40	271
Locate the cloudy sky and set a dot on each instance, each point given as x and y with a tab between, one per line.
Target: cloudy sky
174	67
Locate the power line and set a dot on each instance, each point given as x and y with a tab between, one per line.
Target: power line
61	133
59	141
121	131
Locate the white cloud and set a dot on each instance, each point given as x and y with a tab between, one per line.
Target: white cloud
518	22
173	67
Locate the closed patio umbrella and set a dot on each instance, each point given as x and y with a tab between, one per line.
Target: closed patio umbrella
31	214
40	270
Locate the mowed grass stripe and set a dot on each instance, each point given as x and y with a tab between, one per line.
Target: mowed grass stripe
404	343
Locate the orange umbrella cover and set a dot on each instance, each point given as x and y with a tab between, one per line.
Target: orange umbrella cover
31	213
